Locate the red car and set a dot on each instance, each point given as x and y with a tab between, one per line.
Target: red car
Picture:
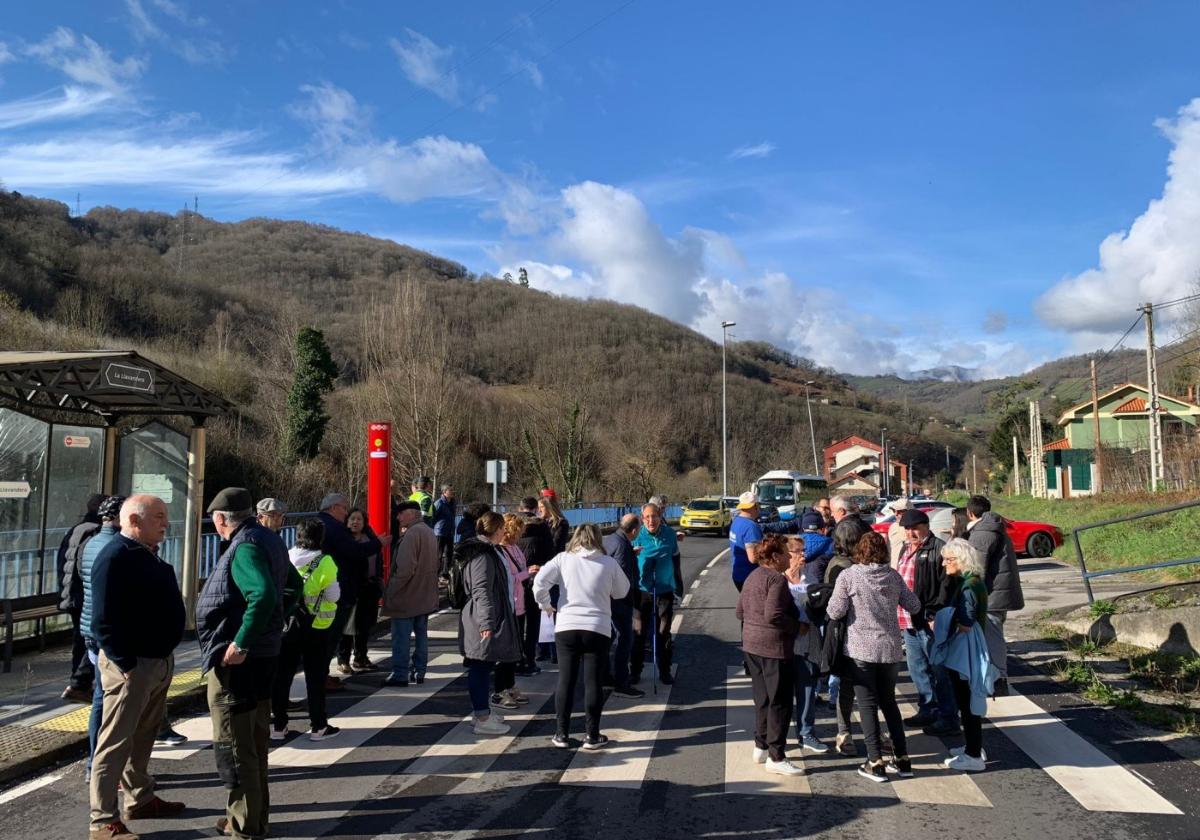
1034	539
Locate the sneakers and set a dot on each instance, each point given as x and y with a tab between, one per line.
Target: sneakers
597	743
628	691
504	701
324	733
812	744
946	726
168	737
561	741
920	719
280	734
297	705
516	696
886	745
491	726
874	772
901	767
783	767
344	668
363	666
760	756
666	679
112	831
76	695
964	763
844	744
392	681
154	809
963	751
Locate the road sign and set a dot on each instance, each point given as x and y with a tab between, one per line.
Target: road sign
128	376
497	467
14	490
77	441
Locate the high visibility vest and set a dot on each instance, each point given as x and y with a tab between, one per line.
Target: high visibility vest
425	501
317	576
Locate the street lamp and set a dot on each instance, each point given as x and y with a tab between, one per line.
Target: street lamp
883	459
812	434
725	325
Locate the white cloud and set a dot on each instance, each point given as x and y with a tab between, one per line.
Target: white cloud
6	53
334	114
1157	259
67	103
427	65
758	150
191	49
517	63
996	322
86	62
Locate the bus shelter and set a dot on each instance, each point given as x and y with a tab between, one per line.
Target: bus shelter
75	424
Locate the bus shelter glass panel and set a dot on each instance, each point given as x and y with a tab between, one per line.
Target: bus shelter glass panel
153	460
76	474
23	449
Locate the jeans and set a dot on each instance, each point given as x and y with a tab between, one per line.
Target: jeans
993	635
309	648
97	710
875	690
772	680
402	628
935	695
586	651
478	682
807	675
972	724
622	619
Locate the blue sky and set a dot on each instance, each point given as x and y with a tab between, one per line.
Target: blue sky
878	187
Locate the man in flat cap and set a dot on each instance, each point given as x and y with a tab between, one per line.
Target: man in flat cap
239	623
920	564
270	513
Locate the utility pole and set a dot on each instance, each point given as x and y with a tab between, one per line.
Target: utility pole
1098	446
974	474
883	459
1156	453
812	434
725	325
1037	463
1016	470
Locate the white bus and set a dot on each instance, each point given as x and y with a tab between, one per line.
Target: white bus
790	491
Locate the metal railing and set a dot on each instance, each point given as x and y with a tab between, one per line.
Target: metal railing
1123	570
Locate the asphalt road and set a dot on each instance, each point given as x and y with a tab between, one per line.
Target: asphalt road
405	765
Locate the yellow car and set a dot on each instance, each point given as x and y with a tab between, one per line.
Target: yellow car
707	514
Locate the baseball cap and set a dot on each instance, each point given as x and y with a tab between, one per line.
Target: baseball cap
747	500
812	521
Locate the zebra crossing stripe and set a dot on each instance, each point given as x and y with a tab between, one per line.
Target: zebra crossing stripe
742	775
932	783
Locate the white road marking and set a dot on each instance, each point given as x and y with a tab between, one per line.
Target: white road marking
1094	780
933	784
368	717
742	775
695	584
686	600
29	787
704	571
199	736
675	624
623	763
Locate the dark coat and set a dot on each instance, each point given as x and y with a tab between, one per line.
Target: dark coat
349	555
618	547
70	556
932	587
536	542
489	605
770	619
1001	574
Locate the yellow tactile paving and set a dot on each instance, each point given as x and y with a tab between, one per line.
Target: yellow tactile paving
76	720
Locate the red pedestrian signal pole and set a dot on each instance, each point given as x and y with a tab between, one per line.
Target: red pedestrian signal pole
379	473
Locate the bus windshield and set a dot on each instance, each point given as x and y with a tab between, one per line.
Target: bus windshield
776	492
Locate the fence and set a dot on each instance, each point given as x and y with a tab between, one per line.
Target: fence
1088	575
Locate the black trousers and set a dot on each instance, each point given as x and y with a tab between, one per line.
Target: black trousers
646	633
772	680
533	626
83	674
505	676
586	651
446	553
366	613
302	645
340	619
972	724
875	691
677	565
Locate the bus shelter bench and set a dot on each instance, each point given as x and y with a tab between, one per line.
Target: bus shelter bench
30	608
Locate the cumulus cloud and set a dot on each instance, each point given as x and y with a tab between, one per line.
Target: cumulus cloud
1157	259
996	322
427	65
758	150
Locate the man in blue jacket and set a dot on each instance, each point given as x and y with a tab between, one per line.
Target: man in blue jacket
445	511
656	546
619	546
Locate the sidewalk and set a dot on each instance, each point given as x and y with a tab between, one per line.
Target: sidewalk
38	727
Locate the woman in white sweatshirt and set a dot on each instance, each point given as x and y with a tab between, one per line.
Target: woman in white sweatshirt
588	581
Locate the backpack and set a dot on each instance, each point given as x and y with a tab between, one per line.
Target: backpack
456	589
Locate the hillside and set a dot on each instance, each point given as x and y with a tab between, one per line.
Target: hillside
608	401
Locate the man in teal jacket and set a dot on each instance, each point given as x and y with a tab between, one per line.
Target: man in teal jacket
656	545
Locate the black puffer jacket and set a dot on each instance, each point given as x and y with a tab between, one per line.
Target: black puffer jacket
70	553
1001	574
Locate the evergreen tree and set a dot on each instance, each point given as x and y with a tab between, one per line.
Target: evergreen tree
314	376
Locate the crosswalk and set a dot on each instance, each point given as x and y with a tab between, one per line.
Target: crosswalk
1088	775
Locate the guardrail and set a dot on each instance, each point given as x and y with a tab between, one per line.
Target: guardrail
1148	567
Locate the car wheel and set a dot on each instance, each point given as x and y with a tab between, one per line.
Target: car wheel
1039	544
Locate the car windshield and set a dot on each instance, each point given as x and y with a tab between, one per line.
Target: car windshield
704	504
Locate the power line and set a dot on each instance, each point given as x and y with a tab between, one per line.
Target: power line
1177	301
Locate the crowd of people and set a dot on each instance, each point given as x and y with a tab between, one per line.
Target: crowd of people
266	612
838	600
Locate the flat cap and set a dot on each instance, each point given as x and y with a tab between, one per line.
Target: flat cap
912	517
232	500
270	505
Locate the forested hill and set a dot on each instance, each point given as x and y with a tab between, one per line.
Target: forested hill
605	400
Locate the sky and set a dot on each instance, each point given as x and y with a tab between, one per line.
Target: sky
877	187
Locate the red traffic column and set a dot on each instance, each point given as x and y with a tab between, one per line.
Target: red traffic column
379	474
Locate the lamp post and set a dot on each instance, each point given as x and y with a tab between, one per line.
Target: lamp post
811	433
883	465
725	325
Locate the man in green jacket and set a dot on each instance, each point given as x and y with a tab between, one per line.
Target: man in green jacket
239	624
422	494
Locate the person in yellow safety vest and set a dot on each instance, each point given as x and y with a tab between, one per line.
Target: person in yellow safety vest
422	494
306	638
